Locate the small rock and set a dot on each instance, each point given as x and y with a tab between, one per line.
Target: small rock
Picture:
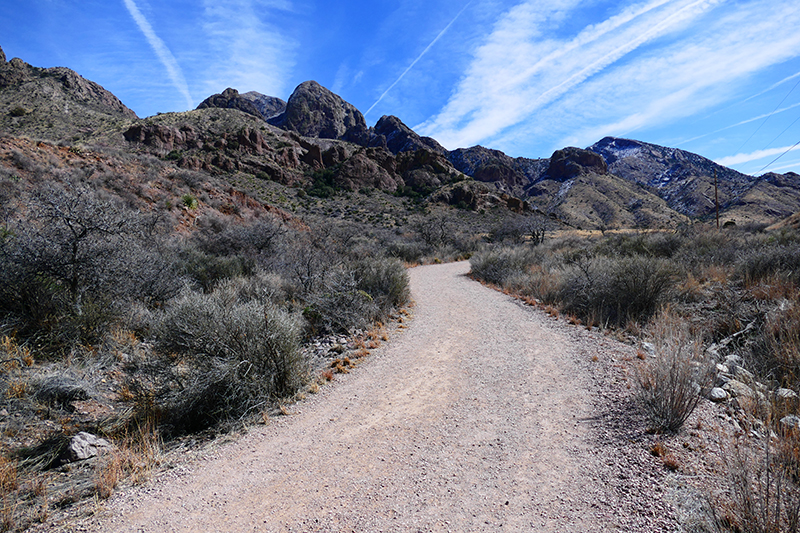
738	389
85	445
791	422
717	395
722	369
785	394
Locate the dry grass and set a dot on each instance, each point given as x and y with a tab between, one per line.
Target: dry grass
671	382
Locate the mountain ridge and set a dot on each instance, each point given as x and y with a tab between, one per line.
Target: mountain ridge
317	130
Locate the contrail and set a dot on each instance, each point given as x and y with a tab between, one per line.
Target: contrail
164	55
418	58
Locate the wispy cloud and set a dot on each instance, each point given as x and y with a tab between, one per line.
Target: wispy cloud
249	49
420	56
574	89
755	156
164	55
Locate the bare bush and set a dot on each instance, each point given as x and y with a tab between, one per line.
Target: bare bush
671	382
763	491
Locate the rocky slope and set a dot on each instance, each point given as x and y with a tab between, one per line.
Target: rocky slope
319	141
55	103
685	180
578	189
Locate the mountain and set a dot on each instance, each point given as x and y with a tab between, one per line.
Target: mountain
252	103
685	180
318	141
578	188
55	103
512	175
314	111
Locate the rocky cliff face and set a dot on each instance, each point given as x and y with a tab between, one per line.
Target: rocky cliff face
512	174
391	133
570	162
268	106
252	103
314	111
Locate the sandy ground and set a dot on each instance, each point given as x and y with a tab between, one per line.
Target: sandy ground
484	415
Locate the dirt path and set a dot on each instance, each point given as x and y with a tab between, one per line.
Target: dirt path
481	416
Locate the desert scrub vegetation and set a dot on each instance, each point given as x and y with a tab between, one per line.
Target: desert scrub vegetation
115	318
715	314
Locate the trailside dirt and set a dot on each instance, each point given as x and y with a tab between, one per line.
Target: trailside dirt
484	415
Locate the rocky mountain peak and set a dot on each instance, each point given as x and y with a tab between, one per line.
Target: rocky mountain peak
269	106
2	55
569	162
397	137
314	111
230	99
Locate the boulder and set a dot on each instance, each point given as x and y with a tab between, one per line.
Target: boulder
85	445
570	162
314	111
737	389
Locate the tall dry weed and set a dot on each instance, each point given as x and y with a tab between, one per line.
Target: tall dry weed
670	383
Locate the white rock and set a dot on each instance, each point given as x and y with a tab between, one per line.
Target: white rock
85	445
791	421
785	394
717	395
722	369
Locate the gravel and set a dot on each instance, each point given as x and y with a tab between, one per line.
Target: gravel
485	414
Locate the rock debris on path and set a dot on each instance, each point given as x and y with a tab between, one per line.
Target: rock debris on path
484	415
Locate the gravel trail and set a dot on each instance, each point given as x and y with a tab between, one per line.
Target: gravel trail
483	415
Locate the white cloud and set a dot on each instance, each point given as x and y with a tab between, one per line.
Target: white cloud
164	55
755	156
249	50
651	63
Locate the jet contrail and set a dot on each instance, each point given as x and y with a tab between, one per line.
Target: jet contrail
164	55
418	58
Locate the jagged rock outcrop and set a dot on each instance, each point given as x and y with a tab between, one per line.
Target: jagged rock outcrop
512	174
268	106
391	133
570	162
2	55
314	111
362	171
231	99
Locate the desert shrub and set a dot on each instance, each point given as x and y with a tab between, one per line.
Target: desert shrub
411	251
670	383
205	270
498	265
73	266
769	261
659	244
238	357
518	230
339	305
616	290
775	353
385	280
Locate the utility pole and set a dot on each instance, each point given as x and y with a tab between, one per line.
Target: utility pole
716	196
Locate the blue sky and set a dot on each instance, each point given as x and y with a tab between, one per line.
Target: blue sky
715	77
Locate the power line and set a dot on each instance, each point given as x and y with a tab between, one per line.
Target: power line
783	154
768	116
